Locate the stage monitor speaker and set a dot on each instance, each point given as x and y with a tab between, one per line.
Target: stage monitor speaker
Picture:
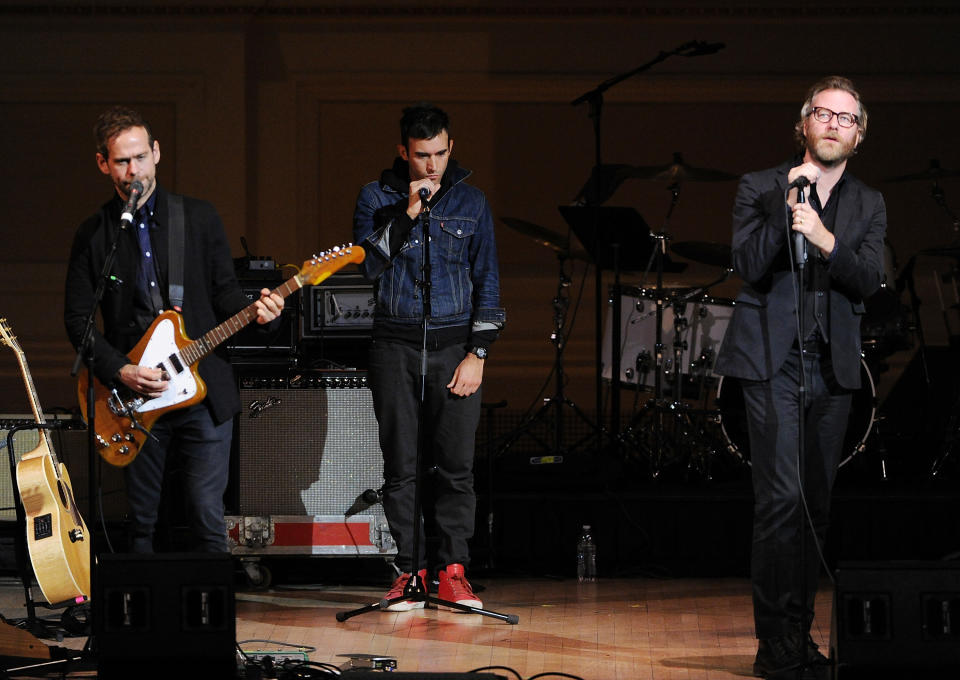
70	444
165	615
897	619
307	444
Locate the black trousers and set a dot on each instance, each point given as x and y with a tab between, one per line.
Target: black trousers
203	448
772	417
450	429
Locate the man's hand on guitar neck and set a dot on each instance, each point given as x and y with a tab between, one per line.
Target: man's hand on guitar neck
148	381
268	306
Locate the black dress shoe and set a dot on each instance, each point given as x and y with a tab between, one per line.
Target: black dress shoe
814	655
784	658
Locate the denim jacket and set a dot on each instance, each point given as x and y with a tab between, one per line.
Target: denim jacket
464	272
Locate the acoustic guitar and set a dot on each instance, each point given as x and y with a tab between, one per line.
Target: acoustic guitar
124	417
56	534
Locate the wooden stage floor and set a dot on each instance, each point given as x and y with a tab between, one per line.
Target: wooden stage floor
615	629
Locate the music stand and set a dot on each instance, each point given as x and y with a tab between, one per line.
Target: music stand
617	239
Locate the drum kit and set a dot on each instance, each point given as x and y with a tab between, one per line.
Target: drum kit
685	416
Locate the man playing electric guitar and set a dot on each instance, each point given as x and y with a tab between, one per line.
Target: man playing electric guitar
162	229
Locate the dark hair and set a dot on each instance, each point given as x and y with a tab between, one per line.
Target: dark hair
422	121
829	83
115	120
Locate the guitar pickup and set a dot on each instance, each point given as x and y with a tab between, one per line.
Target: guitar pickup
42	526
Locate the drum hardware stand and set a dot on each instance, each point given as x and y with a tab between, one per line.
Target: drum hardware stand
553	407
687	437
594	99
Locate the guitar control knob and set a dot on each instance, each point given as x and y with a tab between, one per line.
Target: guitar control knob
116	437
124	449
129	437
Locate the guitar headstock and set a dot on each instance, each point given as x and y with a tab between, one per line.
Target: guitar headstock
320	267
7	336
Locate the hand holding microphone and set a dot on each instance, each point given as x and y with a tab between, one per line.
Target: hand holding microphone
806	222
420	192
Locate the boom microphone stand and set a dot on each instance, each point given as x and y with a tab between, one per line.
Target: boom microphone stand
416	589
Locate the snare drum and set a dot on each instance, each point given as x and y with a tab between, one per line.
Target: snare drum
733	417
707	321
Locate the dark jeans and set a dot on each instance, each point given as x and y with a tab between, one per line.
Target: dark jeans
772	415
203	449
450	427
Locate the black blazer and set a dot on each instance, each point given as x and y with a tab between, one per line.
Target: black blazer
211	291
763	327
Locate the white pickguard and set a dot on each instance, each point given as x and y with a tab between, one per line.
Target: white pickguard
160	347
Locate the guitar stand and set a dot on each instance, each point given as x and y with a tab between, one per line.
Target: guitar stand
75	626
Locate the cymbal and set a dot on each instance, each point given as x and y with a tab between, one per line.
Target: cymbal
678	171
545	237
607	178
717	254
932	173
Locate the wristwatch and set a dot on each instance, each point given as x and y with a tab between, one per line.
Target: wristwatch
479	352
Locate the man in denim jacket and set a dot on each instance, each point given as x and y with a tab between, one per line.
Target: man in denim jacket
424	188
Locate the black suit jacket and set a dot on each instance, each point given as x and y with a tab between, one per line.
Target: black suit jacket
763	327
211	291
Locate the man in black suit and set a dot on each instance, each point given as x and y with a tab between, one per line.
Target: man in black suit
139	288
766	346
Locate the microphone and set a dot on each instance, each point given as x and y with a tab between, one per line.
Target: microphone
799	240
698	48
800	183
366	499
126	217
424	193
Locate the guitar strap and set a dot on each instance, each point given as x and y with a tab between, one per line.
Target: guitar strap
175	256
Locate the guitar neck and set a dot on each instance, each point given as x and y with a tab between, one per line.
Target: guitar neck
209	341
35	406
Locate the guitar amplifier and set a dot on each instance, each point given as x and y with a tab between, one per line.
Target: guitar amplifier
341	306
277	339
308	467
70	443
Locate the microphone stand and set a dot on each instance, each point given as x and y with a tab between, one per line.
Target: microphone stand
86	355
594	98
800	258
416	589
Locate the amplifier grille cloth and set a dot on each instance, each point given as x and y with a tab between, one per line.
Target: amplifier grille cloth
307	451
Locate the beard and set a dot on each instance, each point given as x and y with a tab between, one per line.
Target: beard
830	150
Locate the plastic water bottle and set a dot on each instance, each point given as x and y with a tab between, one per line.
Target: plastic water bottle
586	556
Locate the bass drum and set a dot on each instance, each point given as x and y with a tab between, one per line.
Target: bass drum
733	417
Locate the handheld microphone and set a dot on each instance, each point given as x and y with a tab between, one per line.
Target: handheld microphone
424	193
801	183
799	240
126	217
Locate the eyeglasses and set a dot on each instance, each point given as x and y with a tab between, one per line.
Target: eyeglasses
844	119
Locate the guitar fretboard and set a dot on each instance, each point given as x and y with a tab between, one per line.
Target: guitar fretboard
209	341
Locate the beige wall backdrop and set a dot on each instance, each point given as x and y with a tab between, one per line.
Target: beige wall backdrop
278	112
